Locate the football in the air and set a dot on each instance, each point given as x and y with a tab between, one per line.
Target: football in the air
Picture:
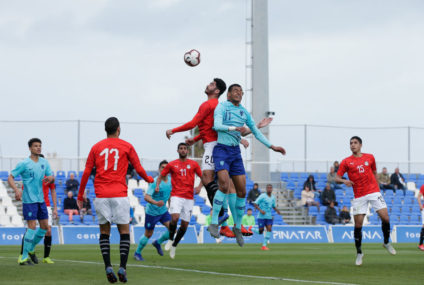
192	57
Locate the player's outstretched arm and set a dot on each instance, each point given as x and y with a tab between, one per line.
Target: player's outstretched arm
262	124
200	115
158	181
278	149
278	211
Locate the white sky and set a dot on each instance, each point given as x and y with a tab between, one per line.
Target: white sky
332	62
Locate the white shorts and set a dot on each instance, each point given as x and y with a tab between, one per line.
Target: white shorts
181	206
360	205
113	210
50	213
422	216
207	160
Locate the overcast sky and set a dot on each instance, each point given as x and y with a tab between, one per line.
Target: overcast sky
347	63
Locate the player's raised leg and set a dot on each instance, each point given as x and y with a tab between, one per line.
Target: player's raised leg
218	201
385	227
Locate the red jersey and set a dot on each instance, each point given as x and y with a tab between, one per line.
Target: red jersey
204	120
46	190
110	157
422	189
361	172
182	177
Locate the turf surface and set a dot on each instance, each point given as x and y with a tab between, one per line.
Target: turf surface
303	262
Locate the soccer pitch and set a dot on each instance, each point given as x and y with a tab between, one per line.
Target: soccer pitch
212	264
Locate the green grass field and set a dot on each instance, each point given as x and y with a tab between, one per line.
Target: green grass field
212	264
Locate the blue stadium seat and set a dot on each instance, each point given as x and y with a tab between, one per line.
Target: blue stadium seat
388	193
406	209
60	174
138	192
313	211
284	176
404	219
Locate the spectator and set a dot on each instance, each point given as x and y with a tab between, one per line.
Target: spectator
328	196
248	220
86	207
336	166
72	185
70	207
331	179
307	198
345	215
253	193
331	216
398	181
310	182
384	180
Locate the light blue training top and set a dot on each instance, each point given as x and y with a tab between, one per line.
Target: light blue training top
32	174
163	194
229	115
266	203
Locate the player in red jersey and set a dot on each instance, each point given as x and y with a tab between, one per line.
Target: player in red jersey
421	195
110	157
183	171
362	172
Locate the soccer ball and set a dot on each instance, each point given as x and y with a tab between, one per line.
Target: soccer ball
192	57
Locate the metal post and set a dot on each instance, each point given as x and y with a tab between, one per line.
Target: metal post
260	88
305	143
409	150
78	145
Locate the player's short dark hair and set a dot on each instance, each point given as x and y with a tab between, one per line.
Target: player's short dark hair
232	86
41	155
269	185
356	138
220	84
33	140
182	143
163	162
111	125
250	209
255	184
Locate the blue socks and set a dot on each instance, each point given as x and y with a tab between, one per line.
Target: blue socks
28	240
142	243
266	238
38	236
232	204
164	237
240	207
218	202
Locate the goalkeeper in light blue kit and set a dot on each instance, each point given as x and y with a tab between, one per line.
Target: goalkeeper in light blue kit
230	119
264	204
34	170
156	211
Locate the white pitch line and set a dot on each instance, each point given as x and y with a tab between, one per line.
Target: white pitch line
207	272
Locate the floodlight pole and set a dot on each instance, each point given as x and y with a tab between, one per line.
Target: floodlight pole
260	91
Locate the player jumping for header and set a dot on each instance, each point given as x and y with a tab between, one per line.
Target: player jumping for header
362	172
229	120
110	157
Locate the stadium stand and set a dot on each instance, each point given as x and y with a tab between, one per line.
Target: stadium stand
403	209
